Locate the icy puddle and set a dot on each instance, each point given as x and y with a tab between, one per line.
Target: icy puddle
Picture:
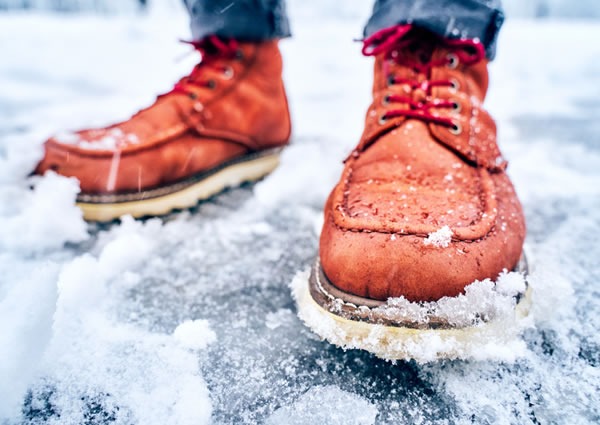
188	319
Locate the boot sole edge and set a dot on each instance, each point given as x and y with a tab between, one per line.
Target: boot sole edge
348	327
181	195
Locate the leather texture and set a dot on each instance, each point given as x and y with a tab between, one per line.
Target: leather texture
408	178
183	133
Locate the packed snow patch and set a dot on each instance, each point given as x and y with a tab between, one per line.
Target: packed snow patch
440	238
326	405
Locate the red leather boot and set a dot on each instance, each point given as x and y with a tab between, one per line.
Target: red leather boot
223	124
423	207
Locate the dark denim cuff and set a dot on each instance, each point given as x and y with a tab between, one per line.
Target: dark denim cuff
246	20
469	19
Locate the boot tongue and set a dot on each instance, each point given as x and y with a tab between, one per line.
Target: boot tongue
423	46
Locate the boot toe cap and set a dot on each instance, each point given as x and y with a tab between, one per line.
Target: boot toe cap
383	265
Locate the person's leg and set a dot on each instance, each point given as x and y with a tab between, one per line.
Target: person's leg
239	19
465	19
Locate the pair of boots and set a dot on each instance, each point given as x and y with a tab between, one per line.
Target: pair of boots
423	207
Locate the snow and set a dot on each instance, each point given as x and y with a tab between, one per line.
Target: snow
326	405
278	318
194	334
28	305
510	284
440	238
490	328
44	218
67	137
89	357
482	301
88	312
115	139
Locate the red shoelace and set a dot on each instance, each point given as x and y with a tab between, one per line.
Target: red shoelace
391	41
211	49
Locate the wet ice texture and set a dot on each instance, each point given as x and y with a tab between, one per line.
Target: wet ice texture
325	405
87	326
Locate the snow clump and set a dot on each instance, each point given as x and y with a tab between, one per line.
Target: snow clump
194	334
440	238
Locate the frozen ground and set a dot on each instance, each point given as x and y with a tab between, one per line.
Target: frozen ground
189	319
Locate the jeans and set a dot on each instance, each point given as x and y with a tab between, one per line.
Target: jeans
267	19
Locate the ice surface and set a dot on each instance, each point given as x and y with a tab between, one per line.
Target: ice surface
87	319
326	405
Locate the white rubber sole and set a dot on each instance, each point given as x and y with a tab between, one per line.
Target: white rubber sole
230	176
497	339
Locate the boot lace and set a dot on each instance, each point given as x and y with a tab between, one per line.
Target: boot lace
391	42
212	49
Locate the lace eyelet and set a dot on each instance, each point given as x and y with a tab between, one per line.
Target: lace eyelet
455	106
228	73
456	129
455	85
239	55
211	84
390	80
385	100
192	96
382	119
452	60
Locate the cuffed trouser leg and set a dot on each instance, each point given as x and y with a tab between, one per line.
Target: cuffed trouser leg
472	19
250	20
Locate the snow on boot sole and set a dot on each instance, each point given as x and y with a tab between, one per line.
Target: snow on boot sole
349	321
183	194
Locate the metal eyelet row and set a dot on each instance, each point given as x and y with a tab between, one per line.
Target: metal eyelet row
455	85
228	73
456	128
453	61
